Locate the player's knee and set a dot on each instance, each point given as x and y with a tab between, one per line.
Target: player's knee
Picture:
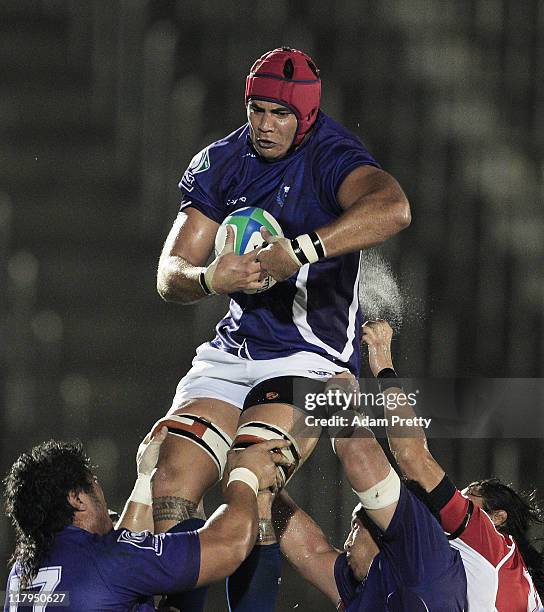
255	432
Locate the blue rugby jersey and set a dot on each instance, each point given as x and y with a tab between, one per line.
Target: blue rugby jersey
416	570
316	310
119	571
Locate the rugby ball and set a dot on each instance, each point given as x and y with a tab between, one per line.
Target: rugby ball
246	223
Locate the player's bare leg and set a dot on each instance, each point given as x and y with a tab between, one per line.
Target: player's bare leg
185	470
254	586
192	460
291	420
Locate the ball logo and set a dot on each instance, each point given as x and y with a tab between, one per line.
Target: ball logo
272	395
246	223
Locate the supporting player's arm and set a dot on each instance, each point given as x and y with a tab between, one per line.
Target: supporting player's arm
408	444
182	275
137	514
370	475
230	533
305	546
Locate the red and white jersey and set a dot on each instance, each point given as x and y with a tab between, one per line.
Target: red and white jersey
497	579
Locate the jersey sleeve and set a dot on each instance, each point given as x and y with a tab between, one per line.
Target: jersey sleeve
480	533
414	543
200	186
140	563
333	164
344	578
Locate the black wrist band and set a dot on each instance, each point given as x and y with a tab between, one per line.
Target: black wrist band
318	245
387	373
299	253
202	281
386	378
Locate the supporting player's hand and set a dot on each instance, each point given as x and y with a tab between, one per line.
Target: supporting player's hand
262	459
378	334
276	259
148	451
229	272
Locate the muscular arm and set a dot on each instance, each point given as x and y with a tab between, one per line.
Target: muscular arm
186	250
305	546
408	444
229	534
365	465
375	209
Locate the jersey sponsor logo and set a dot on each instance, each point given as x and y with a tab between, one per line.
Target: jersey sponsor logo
234	201
142	539
320	372
199	163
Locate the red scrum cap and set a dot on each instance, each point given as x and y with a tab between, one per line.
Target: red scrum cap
288	77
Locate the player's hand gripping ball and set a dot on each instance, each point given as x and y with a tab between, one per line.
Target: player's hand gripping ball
246	223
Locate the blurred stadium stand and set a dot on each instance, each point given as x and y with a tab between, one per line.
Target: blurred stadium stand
104	103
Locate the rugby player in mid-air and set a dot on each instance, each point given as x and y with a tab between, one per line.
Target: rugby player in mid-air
68	553
488	521
332	200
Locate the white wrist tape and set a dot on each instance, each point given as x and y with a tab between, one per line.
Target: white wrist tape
141	493
382	494
308	248
244	475
205	279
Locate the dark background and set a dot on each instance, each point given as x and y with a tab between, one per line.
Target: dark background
104	103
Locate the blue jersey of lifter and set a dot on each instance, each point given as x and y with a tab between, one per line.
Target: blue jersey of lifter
316	310
118	571
416	570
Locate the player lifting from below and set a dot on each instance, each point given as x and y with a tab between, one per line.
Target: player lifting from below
67	548
488	521
331	199
397	557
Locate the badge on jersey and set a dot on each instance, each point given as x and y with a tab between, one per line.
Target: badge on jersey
142	539
199	163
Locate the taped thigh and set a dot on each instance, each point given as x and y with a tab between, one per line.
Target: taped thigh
209	437
254	432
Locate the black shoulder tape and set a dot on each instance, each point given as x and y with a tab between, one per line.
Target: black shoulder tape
442	493
464	523
290	390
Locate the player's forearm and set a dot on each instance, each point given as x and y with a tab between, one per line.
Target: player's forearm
408	443
178	280
136	517
229	534
237	520
369	221
403	433
304	545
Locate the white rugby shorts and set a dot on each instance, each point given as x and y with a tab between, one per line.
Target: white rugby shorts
220	375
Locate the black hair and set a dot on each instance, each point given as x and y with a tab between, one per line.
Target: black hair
36	491
522	512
